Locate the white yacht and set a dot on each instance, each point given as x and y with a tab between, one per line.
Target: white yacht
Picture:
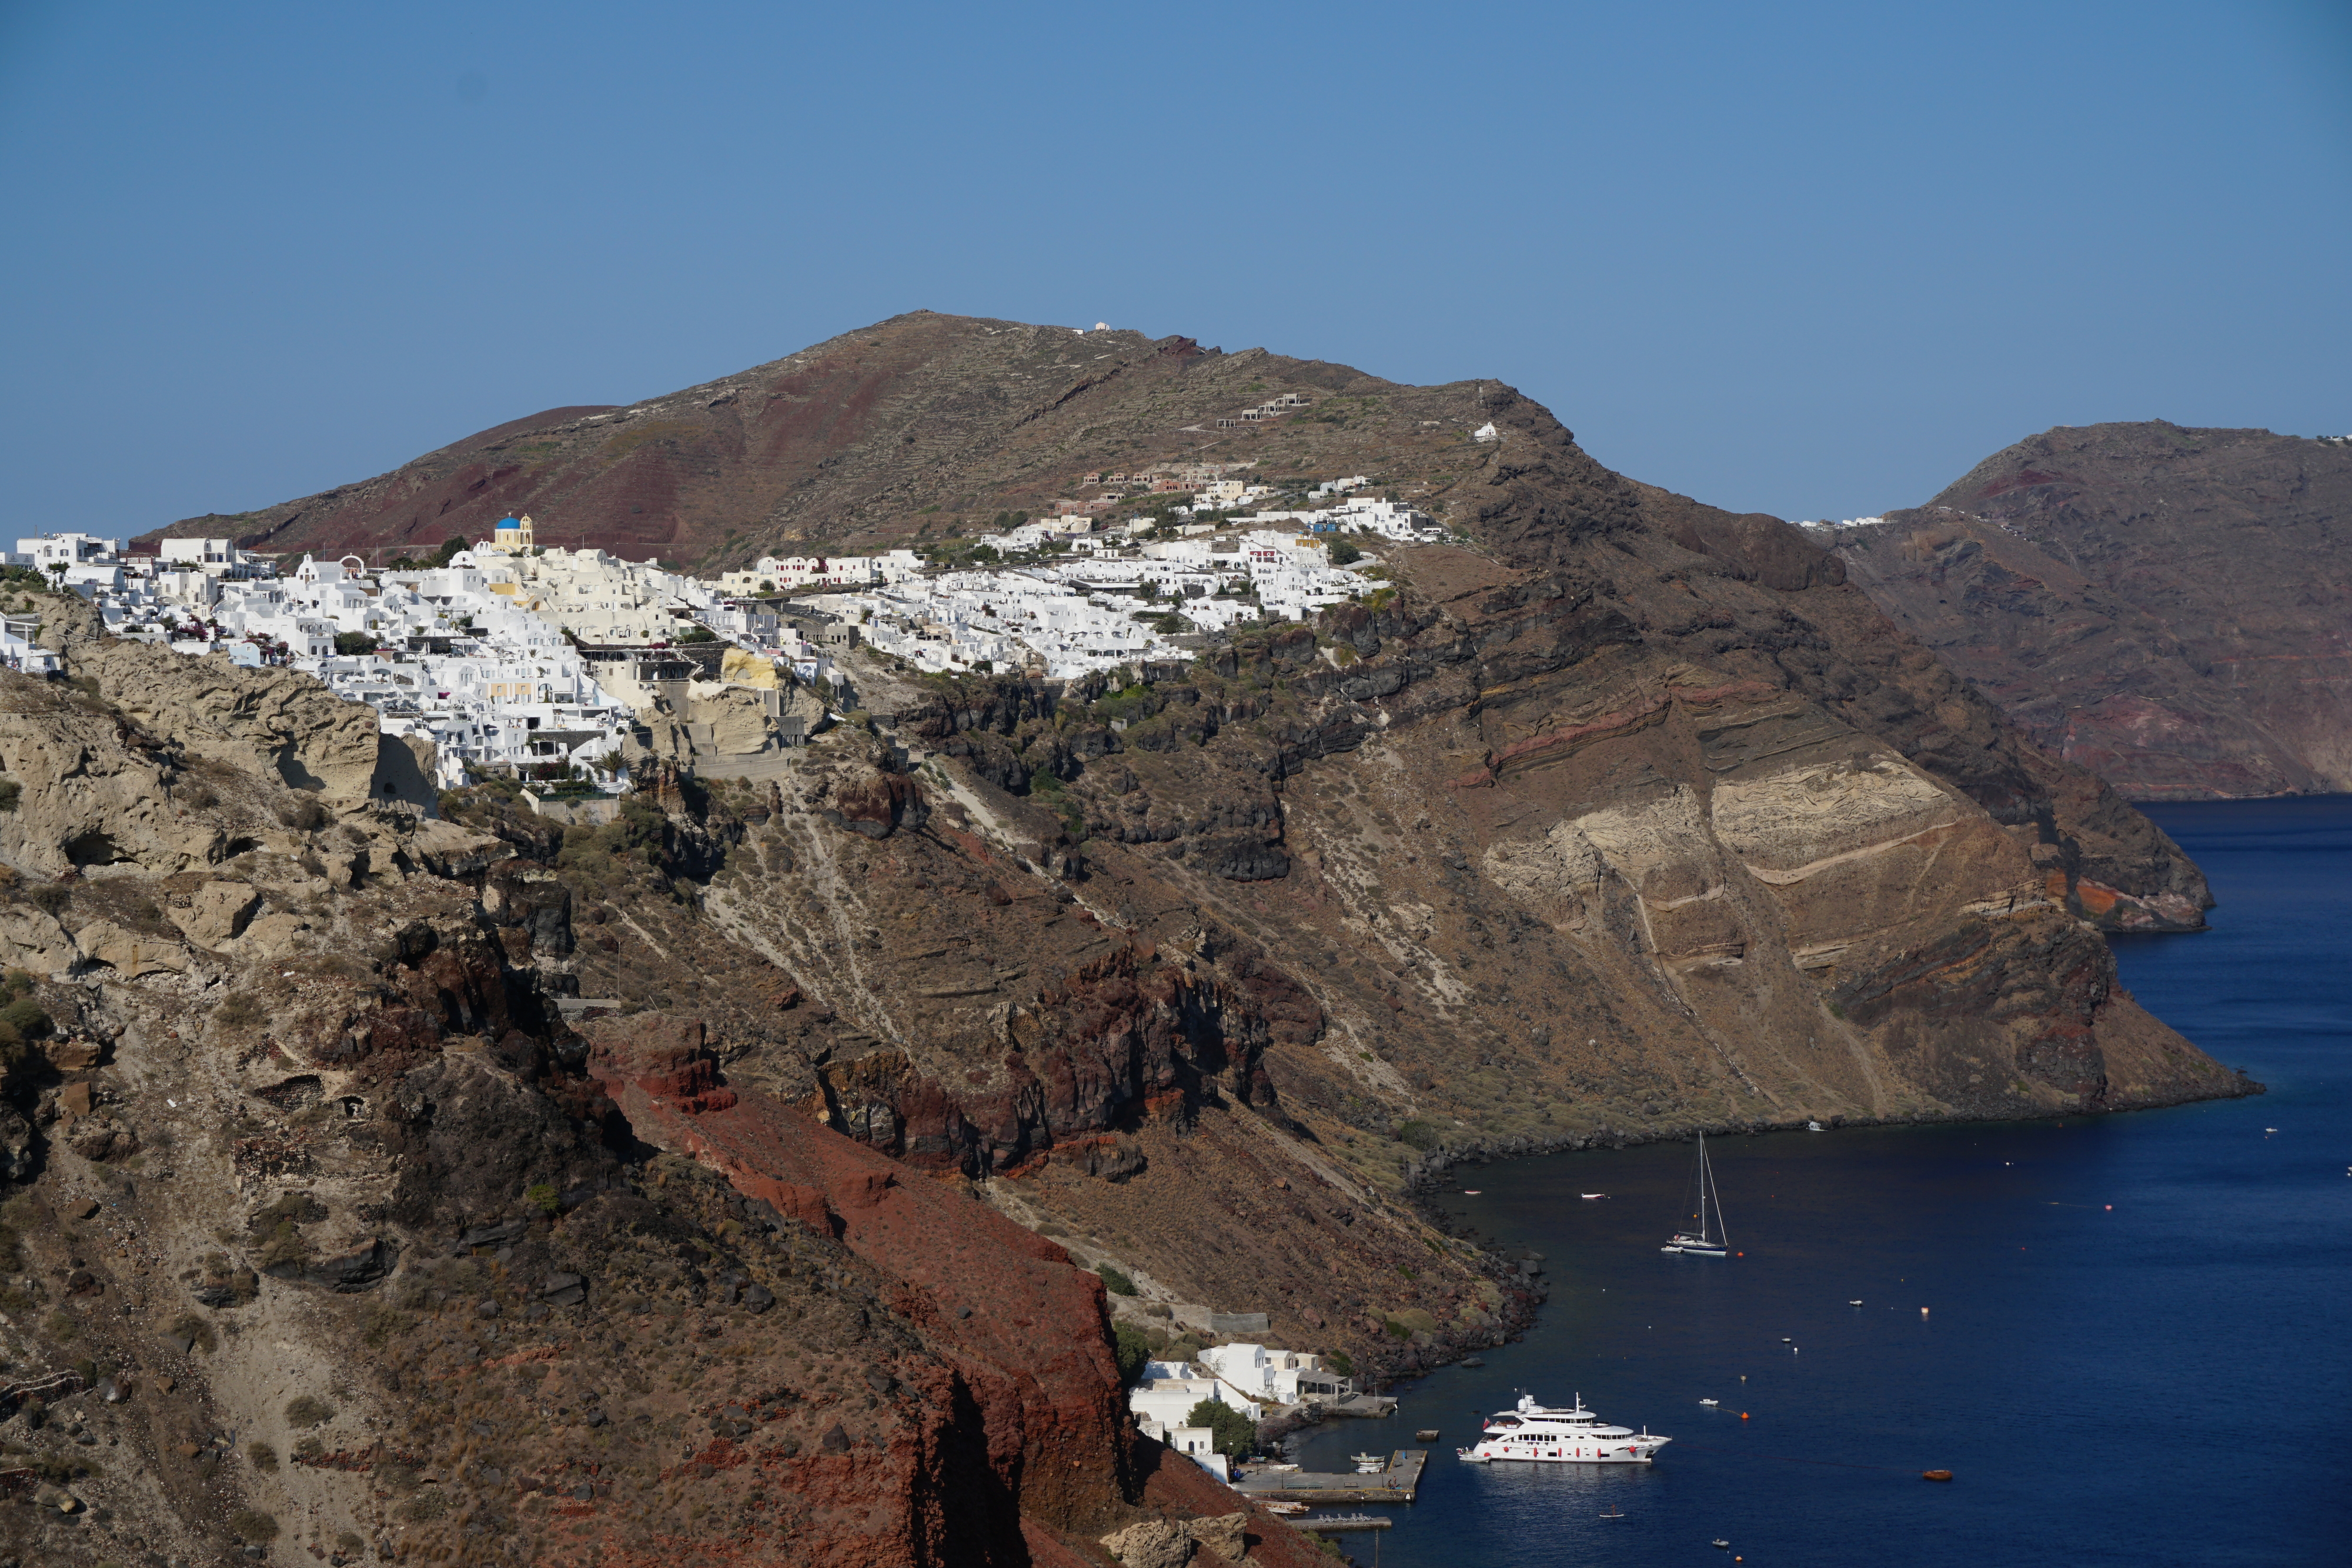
1548	1436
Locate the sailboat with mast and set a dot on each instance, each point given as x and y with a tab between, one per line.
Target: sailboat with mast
1710	1239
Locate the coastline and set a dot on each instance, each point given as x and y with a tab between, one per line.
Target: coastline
1529	1292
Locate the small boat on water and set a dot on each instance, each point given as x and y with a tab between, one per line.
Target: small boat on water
1588	1197
1426	1435
1369	1464
1472	1191
1611	1512
1814	1127
1720	1544
1711	1240
1935	1475
1287	1510
1711	1404
1474	1361
1854	1303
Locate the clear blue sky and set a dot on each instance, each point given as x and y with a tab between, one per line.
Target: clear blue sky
1811	259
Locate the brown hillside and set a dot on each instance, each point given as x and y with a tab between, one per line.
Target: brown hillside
899	430
736	1178
2170	608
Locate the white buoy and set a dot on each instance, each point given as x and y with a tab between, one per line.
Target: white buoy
1922	1311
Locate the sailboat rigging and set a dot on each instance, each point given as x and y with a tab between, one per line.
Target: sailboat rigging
1710	1240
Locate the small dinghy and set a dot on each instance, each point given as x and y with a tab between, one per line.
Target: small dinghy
1425	1435
1472	1191
1588	1197
1854	1303
1935	1475
1287	1510
1611	1512
1369	1464
1711	1404
1720	1544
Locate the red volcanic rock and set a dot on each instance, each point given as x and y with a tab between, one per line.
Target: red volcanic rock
1126	1033
1022	1330
879	804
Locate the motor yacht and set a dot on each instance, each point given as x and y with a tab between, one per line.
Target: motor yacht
1548	1435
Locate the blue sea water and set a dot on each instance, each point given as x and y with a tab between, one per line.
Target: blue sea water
2136	1346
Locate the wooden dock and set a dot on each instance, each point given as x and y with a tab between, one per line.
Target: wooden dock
1399	1482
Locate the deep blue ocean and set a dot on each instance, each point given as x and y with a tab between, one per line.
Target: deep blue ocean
2164	1381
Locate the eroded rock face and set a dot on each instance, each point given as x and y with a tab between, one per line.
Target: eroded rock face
1123	1038
878	803
293	725
31	939
217	912
340	1029
1018	1326
129	954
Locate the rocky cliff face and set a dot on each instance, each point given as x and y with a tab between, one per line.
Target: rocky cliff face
322	1227
623	1189
2166	607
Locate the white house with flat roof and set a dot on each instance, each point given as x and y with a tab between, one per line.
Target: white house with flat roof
1163	1400
47	550
1278	1376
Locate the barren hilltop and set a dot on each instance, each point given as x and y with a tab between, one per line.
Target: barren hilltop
891	434
2170	608
745	1175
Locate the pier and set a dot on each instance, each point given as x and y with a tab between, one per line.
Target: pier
1398	1483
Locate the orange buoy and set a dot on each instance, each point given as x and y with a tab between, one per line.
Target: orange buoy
1935	1475
1743	1415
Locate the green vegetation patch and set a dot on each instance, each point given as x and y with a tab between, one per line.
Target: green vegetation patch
1419	1134
1232	1433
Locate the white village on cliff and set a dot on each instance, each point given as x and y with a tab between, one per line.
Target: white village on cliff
512	658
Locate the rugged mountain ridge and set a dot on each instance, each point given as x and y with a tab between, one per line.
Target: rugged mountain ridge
2168	607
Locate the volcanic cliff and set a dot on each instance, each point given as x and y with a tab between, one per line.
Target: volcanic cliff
717	1178
325	1229
2170	608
